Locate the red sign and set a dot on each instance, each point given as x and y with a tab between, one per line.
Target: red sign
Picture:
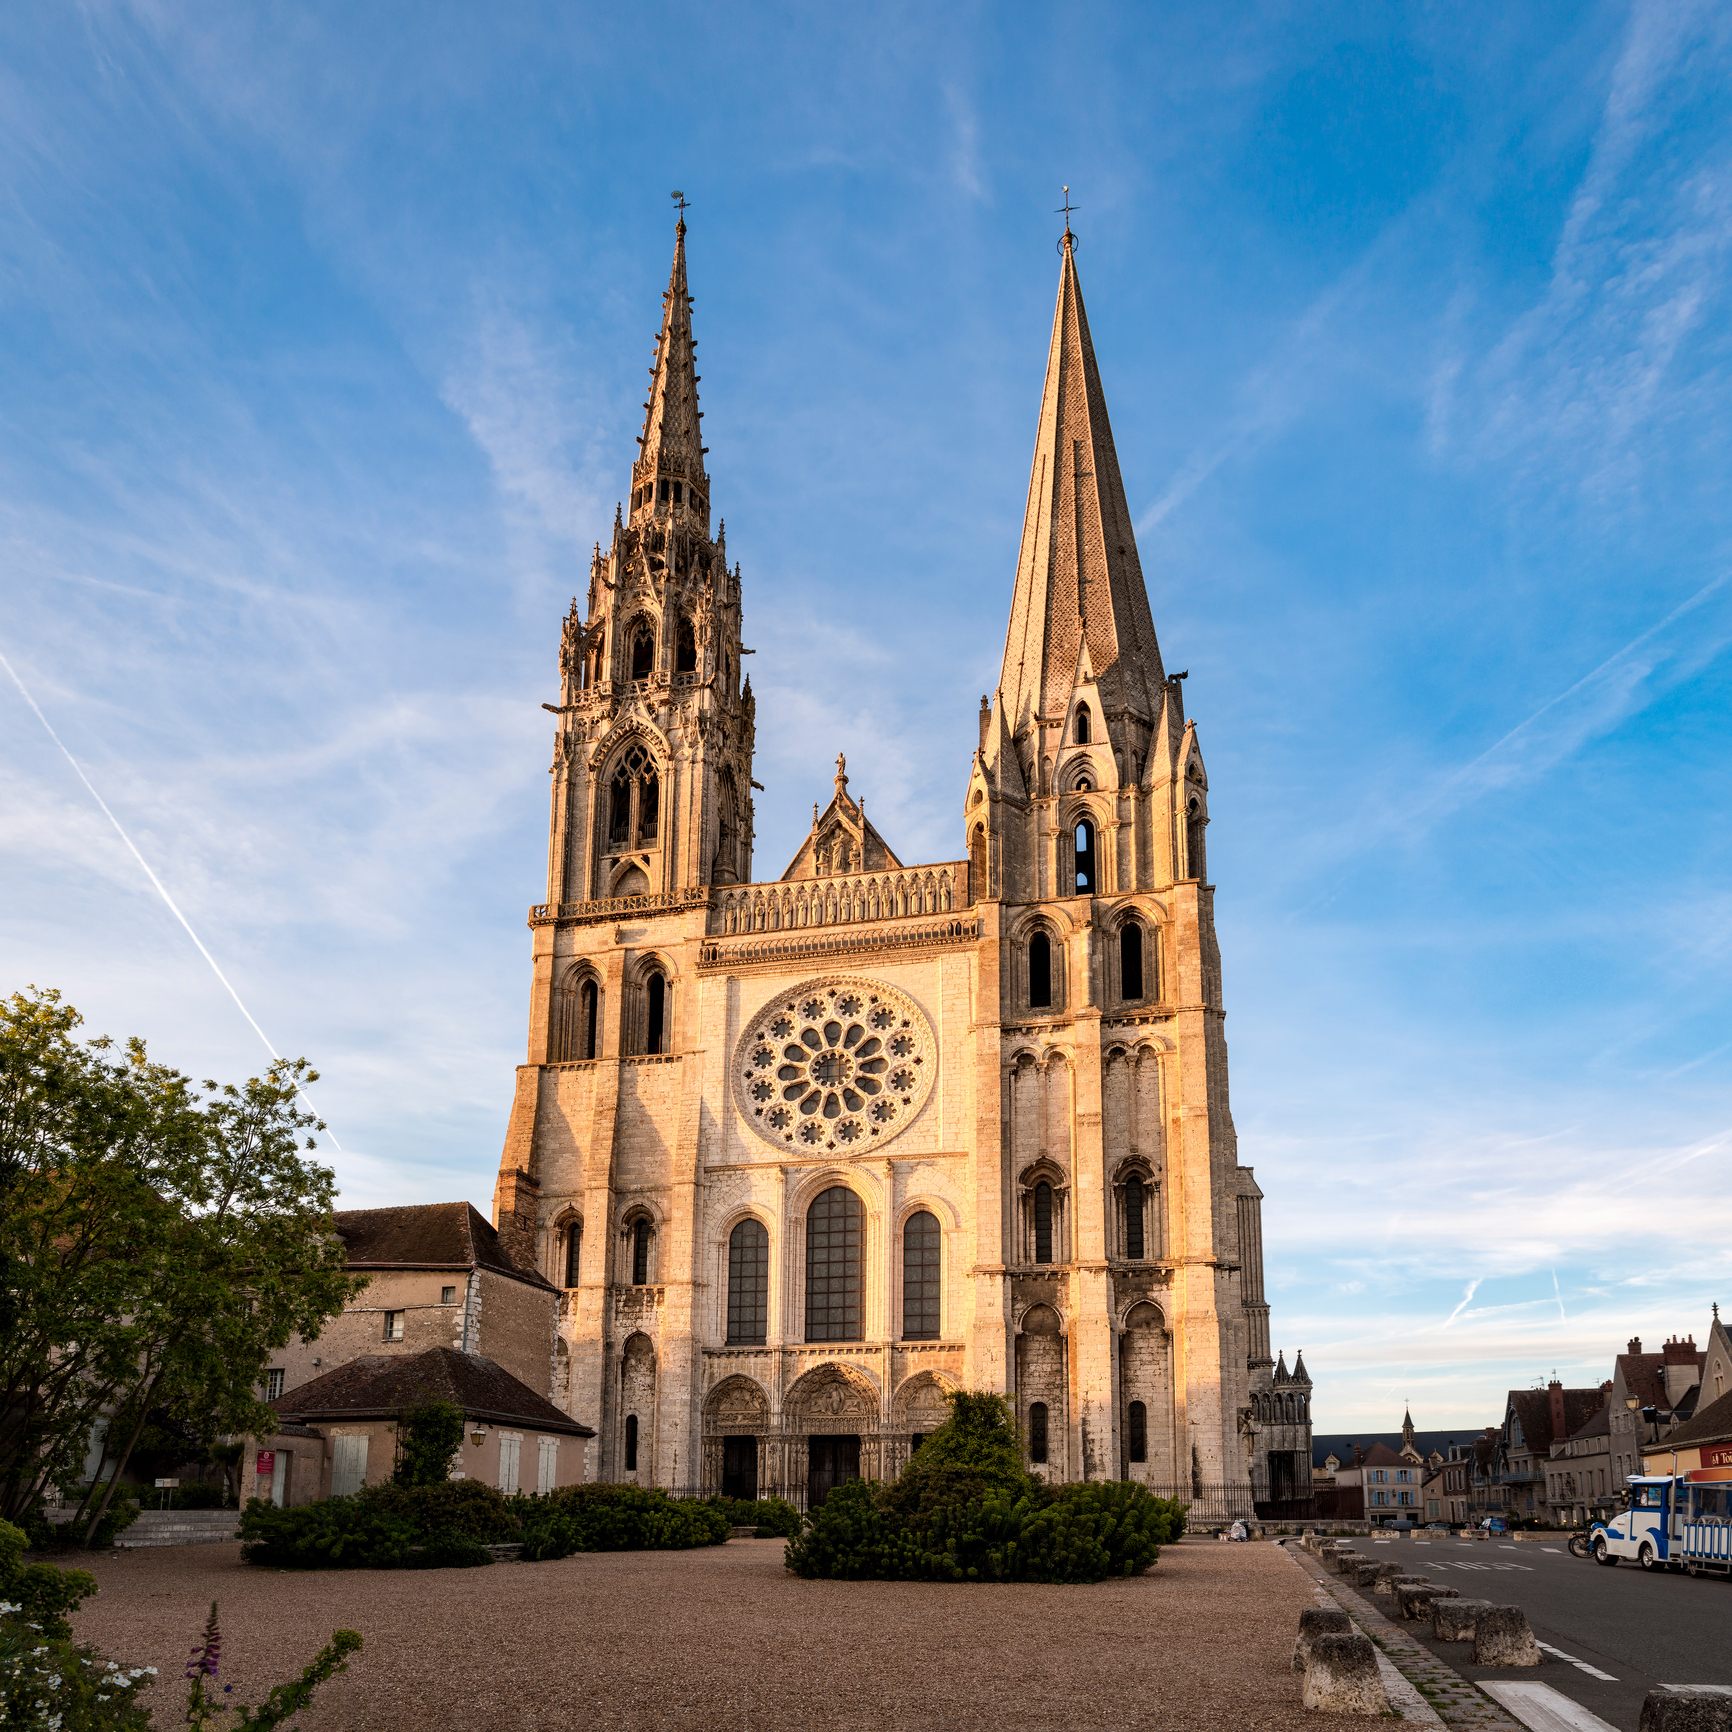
1717	1455
266	1465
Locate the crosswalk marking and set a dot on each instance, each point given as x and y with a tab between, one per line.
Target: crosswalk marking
1580	1665
1542	1709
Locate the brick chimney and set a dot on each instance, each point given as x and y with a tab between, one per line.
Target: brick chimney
1555	1395
1635	1344
1679	1368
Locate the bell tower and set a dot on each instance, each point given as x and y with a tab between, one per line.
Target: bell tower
652	764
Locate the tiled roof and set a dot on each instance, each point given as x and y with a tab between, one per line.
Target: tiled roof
1533	1407
380	1386
1711	1425
1599	1425
1343	1443
425	1236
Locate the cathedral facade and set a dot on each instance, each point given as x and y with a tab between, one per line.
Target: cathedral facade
805	1153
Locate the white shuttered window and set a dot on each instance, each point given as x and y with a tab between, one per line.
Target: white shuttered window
348	1464
510	1445
547	1468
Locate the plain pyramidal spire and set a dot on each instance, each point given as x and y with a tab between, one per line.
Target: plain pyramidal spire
1078	578
669	474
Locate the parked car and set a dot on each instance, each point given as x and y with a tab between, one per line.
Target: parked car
1494	1525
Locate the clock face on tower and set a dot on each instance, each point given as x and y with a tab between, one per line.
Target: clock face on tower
835	1066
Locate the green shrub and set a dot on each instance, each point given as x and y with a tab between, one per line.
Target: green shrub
396	1527
965	1509
770	1518
384	1527
428	1439
628	1518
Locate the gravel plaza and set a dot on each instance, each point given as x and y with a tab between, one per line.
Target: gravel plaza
728	1641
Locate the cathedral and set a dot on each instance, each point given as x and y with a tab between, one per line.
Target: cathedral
805	1152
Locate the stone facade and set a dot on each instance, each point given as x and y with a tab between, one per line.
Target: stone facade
804	1154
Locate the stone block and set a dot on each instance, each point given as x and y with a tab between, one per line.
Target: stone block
1688	1708
1415	1602
1365	1572
1453	1620
1386	1585
1344	1560
1341	1676
1503	1637
1317	1621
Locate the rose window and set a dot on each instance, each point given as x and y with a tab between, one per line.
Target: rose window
840	1064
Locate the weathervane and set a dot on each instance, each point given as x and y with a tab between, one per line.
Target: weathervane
1066	208
680	205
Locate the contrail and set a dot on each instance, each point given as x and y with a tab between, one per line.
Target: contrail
1466	1300
161	888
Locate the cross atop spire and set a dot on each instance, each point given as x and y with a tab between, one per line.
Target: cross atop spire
668	476
1067	207
1078	580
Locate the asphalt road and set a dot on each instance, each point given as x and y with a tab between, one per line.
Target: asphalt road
1637	1628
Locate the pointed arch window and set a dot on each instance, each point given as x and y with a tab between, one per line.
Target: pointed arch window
655	994
1136	1208
1084	728
835	1266
1194	839
1037	1445
641	650
1084	840
1043	1215
588	1019
631	1443
1138	1429
686	647
633	800
572	1250
1131	937
1040	972
977	863
748	1284
922	1246
641	1235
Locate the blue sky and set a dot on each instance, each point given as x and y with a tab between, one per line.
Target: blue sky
322	337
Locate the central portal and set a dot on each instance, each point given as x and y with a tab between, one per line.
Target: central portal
830	1461
740	1467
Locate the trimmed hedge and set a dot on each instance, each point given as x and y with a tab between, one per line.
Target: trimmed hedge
770	1518
392	1526
966	1510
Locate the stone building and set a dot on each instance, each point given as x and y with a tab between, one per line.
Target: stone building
445	1315
805	1153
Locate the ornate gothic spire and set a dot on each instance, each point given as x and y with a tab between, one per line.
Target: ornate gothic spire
1078	578
668	475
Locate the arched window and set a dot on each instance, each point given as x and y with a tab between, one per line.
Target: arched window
1037	1431
631	1443
748	1284
685	648
1131	959
835	1261
1194	839
1136	1195
588	1019
977	864
1040	972
633	800
922	1247
1139	1432
1085	857
1084	724
1043	1222
641	1233
642	650
572	1248
655	994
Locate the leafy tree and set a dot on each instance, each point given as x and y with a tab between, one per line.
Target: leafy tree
158	1241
